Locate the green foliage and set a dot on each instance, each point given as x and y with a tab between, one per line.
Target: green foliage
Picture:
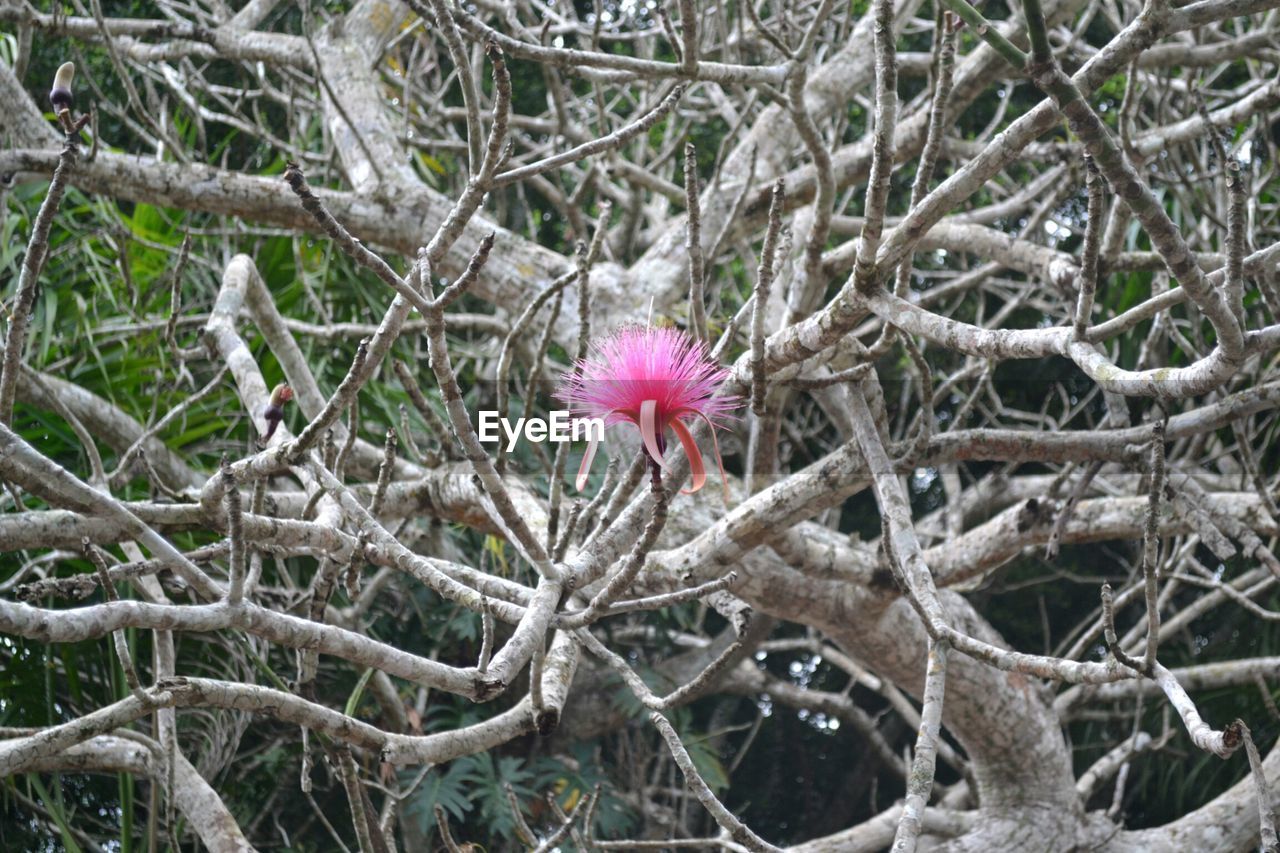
471	790
57	809
706	759
449	788
570	780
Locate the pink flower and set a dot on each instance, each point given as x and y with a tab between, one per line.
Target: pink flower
655	379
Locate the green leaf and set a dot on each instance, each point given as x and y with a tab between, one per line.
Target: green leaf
56	810
353	702
449	789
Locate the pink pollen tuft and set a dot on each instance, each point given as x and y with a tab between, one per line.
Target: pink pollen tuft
654	379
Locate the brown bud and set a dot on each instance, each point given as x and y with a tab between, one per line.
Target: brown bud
60	95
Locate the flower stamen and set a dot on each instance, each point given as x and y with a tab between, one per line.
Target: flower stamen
652	379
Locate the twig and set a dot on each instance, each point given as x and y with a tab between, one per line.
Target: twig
636	684
486	637
428	460
704	679
882	146
1267	699
669	599
170	416
945	47
343	398
348	244
1151	543
1081	486
766	32
385	471
495	488
353	428
606	489
1233	282
469	275
764	281
693	245
1038	32
523	832
631	566
97	475
235	535
1244	448
806	291
118	638
32	263
448	26
561	546
584	802
1089	253
360	816
442	821
175	297
920	782
737	830
987	31
429	414
355	567
816	383
1266	807
1221	743
1109	633
536	665
669	30
689	37
507	355
614	140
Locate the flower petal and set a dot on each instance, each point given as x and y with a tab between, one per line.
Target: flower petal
696	468
585	468
649	431
715	444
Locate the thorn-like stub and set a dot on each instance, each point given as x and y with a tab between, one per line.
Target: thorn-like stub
1031	514
547	721
1233	736
485	688
60	94
296	180
882	577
